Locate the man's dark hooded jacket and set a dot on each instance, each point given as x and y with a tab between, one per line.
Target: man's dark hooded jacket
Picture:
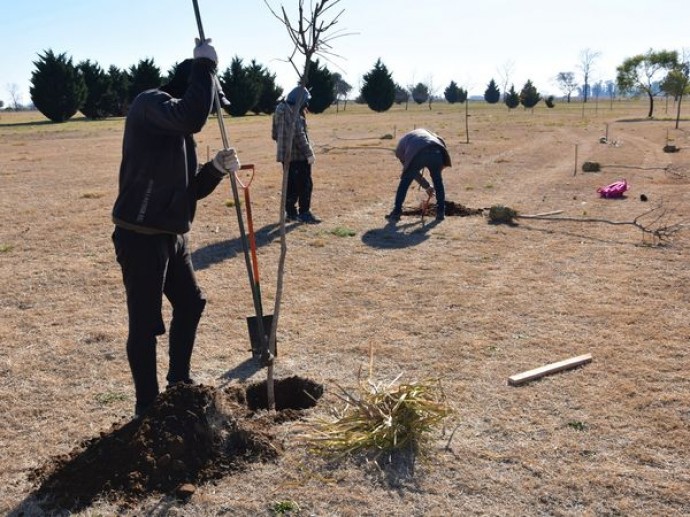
159	183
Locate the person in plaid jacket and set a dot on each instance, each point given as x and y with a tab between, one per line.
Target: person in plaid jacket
300	154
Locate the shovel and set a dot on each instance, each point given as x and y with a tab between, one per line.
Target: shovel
257	335
258	325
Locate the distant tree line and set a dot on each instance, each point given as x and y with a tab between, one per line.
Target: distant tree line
61	88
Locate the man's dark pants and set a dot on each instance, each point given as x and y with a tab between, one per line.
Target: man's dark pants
432	158
299	188
153	266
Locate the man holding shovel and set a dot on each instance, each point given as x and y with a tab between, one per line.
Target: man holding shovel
159	185
417	150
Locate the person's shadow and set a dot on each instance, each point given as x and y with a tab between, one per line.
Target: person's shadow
242	371
397	236
219	251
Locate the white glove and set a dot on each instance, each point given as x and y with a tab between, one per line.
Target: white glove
226	161
204	49
311	159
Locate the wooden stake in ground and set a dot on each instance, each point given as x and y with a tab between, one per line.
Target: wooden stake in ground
538	373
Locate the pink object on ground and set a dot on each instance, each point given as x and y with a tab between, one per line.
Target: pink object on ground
616	189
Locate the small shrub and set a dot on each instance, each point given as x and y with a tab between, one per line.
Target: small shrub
591	167
499	214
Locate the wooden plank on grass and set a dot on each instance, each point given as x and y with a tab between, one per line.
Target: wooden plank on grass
537	373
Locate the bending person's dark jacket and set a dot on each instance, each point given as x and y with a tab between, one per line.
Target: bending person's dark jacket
417	140
159	182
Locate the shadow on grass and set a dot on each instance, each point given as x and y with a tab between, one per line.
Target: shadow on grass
224	250
393	236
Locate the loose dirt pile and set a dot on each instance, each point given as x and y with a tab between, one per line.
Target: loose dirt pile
452	209
192	434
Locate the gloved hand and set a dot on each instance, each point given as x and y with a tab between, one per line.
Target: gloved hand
205	49
226	161
311	159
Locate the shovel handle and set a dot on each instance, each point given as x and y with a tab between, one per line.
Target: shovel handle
198	20
246	167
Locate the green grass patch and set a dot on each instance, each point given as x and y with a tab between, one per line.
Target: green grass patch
4	248
284	508
577	425
109	397
342	231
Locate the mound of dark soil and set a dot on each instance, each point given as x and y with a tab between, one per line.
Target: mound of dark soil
192	434
452	209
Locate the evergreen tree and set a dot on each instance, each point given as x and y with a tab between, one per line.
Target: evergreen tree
143	76
453	93
321	85
97	82
401	94
492	94
240	88
116	99
512	99
462	95
378	89
58	89
529	96
269	92
420	93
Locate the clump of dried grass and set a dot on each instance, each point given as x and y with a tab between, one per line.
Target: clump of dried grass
382	419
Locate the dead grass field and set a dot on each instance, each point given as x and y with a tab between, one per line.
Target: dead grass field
465	301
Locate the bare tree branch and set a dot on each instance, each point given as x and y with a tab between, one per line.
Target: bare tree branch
652	222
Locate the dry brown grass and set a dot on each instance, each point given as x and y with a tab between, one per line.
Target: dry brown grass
465	301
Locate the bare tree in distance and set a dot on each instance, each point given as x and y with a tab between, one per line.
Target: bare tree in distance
342	90
505	72
15	96
432	89
309	37
643	72
566	83
586	66
677	82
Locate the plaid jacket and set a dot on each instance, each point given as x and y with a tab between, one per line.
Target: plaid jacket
283	119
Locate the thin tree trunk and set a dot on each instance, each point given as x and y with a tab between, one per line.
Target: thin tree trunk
651	104
680	99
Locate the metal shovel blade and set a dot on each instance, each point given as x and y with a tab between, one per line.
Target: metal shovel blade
259	345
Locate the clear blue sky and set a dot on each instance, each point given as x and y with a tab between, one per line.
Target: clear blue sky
434	41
